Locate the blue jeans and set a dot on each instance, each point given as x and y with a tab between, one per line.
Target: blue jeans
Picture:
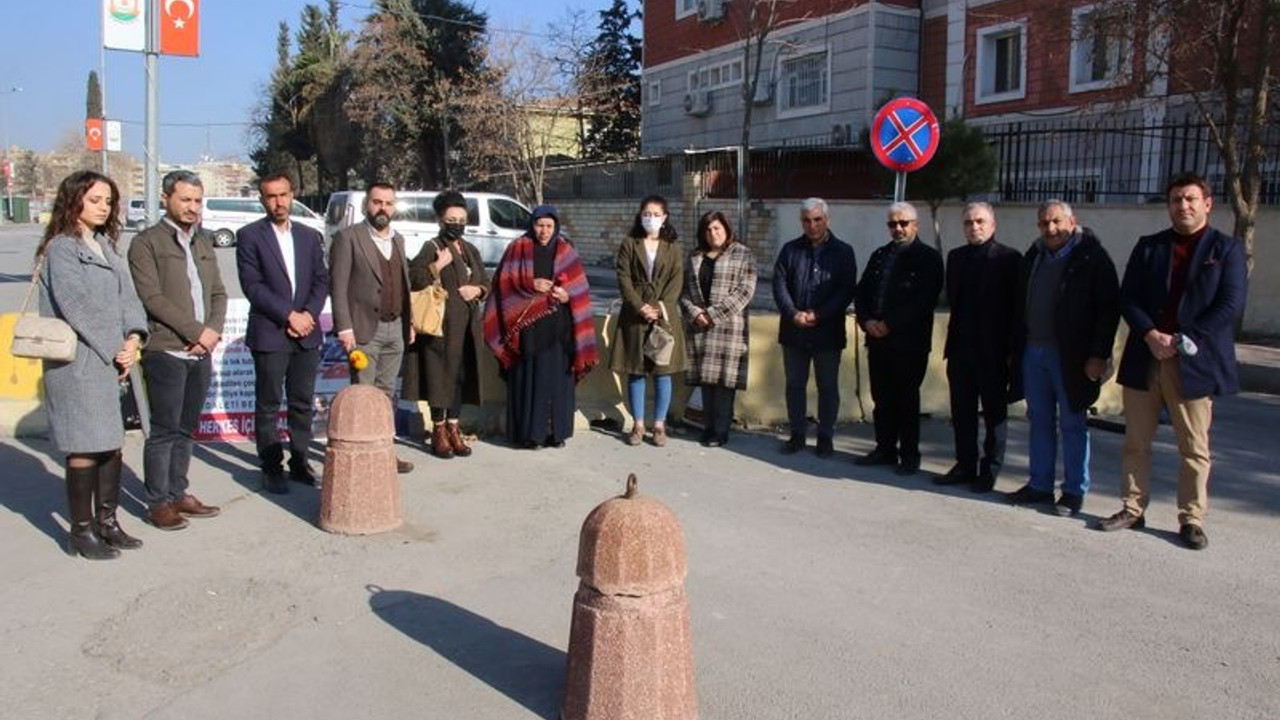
636	387
1047	409
826	371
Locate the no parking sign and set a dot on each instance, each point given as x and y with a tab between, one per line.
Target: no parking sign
904	135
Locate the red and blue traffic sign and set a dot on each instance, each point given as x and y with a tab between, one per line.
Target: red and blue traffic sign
904	135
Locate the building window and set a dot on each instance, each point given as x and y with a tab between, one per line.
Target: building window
804	83
685	8
1002	66
1099	46
711	77
655	93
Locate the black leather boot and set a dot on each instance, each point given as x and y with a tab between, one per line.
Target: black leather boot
83	539
108	499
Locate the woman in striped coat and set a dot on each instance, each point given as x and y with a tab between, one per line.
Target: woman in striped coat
720	280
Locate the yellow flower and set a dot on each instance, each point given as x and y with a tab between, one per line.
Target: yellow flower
358	359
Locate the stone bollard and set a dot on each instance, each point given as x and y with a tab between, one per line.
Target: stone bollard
361	491
630	643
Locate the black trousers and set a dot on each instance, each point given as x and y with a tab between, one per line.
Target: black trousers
975	382
717	410
176	389
895	388
294	369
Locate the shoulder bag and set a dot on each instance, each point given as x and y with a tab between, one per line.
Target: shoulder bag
41	338
660	343
426	309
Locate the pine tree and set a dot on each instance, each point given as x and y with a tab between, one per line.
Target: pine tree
610	86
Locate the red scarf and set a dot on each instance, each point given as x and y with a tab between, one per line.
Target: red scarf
514	305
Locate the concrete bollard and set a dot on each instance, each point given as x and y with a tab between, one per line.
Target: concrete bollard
361	491
630	643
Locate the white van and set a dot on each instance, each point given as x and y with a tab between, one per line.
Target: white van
223	216
493	220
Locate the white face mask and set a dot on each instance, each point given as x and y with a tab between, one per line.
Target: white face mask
652	225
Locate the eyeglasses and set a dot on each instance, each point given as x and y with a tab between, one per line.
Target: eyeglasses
898	223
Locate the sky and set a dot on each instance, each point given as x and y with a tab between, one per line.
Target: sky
48	49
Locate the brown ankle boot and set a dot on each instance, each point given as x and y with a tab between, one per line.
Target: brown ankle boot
455	439
440	444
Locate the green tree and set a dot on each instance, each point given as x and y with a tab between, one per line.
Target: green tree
610	86
964	165
93	97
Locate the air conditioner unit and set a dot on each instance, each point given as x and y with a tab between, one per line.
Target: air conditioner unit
697	103
710	10
841	134
764	92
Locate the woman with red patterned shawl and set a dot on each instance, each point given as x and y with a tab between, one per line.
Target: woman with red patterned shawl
538	323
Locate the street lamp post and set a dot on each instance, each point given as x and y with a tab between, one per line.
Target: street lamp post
8	156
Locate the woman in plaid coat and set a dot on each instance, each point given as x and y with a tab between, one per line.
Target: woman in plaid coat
720	281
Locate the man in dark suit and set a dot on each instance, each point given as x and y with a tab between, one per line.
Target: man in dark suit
282	274
370	289
895	301
1183	292
982	287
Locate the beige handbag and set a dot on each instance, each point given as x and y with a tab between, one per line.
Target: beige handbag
426	309
41	338
659	343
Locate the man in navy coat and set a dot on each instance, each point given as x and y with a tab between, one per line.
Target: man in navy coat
1183	292
282	273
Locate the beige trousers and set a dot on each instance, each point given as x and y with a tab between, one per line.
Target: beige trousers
1191	420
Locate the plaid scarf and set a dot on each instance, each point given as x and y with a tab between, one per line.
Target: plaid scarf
514	305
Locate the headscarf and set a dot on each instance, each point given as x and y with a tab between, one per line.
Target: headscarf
514	305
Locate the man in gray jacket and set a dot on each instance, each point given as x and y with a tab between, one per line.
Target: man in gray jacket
176	275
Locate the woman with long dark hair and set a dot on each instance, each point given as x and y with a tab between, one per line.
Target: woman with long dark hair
539	325
86	282
650	268
718	287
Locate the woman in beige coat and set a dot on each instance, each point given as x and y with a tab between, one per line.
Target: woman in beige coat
650	267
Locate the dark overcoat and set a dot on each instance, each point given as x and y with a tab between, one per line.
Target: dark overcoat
433	366
1211	304
915	281
982	290
718	355
638	287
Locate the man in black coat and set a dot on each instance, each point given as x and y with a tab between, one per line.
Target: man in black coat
982	286
1068	305
895	300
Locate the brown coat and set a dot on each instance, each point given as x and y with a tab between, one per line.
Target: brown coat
433	366
627	354
355	282
718	355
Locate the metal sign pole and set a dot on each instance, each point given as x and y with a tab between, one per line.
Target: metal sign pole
151	169
899	187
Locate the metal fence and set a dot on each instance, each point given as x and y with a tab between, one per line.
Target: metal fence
1089	160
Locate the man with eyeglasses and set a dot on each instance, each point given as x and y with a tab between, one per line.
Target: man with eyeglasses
895	300
813	283
982	287
1068	305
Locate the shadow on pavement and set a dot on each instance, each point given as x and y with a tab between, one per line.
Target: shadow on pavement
525	670
32	491
241	464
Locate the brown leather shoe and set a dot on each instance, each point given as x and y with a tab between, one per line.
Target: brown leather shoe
440	444
190	506
455	439
166	517
403	467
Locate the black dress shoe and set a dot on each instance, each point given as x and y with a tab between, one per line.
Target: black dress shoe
1123	520
1027	495
1193	537
826	447
983	482
793	445
1068	505
907	466
955	476
552	442
274	483
303	476
877	457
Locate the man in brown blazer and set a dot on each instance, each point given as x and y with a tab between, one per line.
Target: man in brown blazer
369	286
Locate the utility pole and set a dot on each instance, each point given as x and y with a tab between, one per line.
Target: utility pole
8	157
151	155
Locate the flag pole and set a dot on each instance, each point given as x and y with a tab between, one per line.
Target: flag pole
151	152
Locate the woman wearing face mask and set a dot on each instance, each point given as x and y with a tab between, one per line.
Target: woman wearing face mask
650	267
443	370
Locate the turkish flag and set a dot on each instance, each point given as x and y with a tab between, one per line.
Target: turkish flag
180	27
93	134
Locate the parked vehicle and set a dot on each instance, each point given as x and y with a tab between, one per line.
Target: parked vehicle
223	216
135	217
493	220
